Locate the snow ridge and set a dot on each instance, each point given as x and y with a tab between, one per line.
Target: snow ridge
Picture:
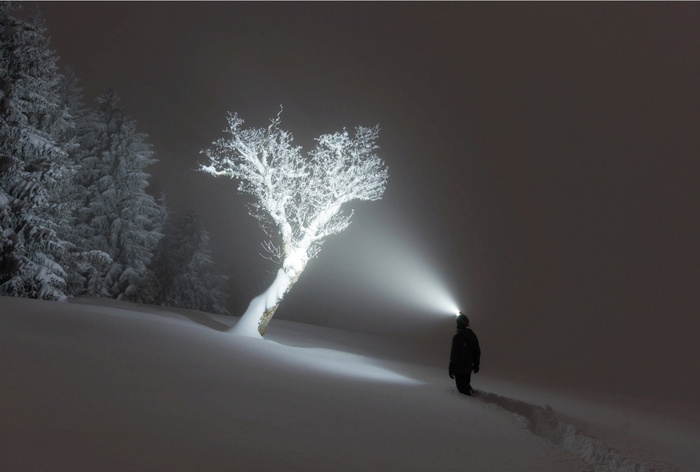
544	422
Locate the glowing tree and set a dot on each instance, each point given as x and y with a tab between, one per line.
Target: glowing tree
298	200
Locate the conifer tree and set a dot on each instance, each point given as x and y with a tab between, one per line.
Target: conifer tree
118	222
33	159
68	197
185	272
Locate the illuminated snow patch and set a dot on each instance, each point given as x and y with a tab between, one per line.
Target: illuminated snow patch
340	363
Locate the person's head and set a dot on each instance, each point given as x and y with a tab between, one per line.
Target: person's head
462	320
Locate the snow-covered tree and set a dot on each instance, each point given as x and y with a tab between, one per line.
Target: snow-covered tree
70	196
33	160
298	200
185	274
118	223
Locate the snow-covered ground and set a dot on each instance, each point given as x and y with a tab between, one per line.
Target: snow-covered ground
98	385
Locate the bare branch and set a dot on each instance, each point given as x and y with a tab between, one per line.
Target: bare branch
298	199
274	253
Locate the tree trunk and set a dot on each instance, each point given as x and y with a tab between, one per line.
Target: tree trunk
265	319
254	321
270	312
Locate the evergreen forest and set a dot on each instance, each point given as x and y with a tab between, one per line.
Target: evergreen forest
77	216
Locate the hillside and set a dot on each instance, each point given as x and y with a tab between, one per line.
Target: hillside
109	386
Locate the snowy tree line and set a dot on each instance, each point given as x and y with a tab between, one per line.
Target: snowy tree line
76	217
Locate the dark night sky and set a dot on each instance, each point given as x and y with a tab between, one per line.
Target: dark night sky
543	157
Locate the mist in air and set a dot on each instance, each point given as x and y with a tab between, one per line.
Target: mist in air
543	165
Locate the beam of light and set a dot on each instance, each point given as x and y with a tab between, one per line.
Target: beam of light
394	268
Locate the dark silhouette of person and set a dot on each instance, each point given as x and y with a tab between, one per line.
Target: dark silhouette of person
465	355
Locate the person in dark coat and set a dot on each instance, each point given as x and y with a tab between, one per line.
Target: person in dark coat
465	355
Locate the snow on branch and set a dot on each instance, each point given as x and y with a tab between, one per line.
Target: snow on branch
302	196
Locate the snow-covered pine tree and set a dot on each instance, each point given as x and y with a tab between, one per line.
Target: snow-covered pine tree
91	256
65	199
80	263
119	223
185	270
33	159
150	288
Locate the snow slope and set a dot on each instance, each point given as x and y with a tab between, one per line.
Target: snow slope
99	385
